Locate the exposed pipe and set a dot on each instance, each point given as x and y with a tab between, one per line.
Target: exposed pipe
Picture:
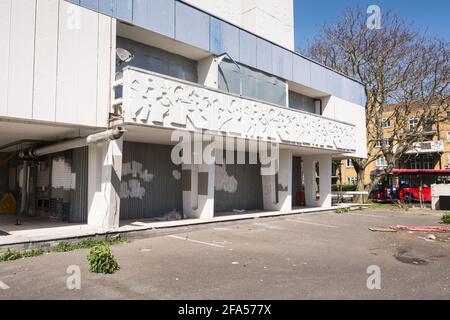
108	135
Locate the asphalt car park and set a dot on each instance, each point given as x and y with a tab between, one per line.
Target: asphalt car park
315	256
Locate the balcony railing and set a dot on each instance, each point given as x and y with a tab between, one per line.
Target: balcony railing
427	147
155	100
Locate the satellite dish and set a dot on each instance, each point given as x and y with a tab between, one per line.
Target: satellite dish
124	55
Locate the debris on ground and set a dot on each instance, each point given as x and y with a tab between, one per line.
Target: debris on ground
382	230
238	210
235	263
431	237
421	229
173	215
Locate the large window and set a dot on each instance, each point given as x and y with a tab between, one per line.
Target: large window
381	162
349	163
255	84
421	162
387	123
378	144
159	61
301	102
413	122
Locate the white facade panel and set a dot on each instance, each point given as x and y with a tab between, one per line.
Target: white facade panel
88	57
5	23
342	110
69	63
21	59
106	32
46	54
58	60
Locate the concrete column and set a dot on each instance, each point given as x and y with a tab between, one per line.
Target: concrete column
198	190
105	173
277	189
309	166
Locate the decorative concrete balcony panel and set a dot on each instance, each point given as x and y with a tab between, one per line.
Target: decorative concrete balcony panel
151	99
427	147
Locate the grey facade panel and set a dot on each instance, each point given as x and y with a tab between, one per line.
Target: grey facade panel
90	4
264	55
155	15
224	38
320	78
247	48
107	7
162	193
79	196
192	26
160	61
282	62
124	10
248	195
301	71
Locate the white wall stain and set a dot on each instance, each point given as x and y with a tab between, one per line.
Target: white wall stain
134	188
134	169
176	174
224	182
62	174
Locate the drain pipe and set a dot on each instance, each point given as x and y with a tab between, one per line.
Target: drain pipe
108	135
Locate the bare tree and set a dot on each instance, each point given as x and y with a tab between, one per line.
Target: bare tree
398	65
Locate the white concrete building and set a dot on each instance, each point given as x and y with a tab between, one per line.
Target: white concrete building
88	138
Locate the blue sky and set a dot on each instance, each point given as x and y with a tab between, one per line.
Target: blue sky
433	15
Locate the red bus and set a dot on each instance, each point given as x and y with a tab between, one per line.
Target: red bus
409	185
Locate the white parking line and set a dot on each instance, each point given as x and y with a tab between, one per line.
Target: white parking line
3	286
312	223
196	241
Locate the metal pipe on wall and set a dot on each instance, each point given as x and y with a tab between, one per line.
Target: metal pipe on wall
108	135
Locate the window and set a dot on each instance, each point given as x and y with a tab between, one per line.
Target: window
349	163
378	144
422	162
255	83
388	142
352	180
387	123
448	116
413	122
448	136
381	162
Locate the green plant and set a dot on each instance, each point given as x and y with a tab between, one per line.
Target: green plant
342	210
446	218
345	187
10	255
101	260
32	253
64	247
